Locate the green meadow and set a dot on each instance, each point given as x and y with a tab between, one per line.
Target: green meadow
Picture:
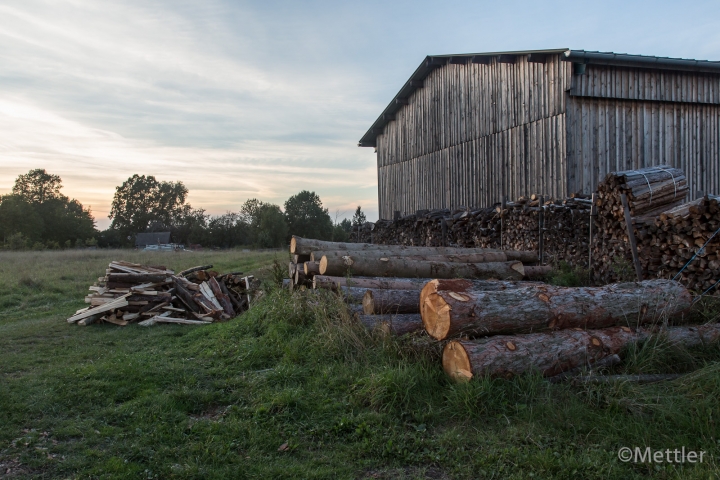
295	389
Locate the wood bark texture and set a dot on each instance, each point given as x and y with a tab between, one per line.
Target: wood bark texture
451	308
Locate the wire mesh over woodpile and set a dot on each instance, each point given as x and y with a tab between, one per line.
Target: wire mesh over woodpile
150	294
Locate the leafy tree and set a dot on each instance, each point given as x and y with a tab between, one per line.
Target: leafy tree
306	216
142	200
272	227
227	230
38	186
346	225
359	217
191	227
43	215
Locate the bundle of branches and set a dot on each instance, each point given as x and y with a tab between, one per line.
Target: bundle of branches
150	294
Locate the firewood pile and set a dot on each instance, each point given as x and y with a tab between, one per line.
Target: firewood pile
560	228
669	232
150	294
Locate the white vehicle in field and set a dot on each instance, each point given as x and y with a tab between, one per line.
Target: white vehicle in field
165	247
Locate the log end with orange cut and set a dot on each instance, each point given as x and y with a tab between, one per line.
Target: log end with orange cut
456	362
435	311
323	264
293	244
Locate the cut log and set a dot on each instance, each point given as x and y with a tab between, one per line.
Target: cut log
600	379
394	324
391	283
118	303
307	246
222	298
378	301
194	269
352	294
608	361
555	352
401	267
451	308
539	271
311	268
428	257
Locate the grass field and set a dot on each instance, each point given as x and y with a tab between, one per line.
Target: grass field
218	401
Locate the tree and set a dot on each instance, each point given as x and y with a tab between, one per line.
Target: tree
141	200
306	216
37	210
265	223
38	186
358	219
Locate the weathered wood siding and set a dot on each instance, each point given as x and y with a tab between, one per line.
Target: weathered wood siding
474	133
621	119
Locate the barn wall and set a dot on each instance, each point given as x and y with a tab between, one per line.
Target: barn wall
476	132
606	135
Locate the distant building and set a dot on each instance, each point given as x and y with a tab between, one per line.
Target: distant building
466	130
153	238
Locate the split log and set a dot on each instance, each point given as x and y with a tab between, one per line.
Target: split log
222	298
135	278
194	269
555	352
118	303
401	267
377	301
394	324
450	308
185	295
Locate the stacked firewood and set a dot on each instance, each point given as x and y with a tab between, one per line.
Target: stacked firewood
150	294
560	228
671	244
648	192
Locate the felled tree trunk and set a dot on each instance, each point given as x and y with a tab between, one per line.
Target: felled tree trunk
555	352
394	324
378	301
449	308
306	246
391	283
352	294
433	254
402	267
135	278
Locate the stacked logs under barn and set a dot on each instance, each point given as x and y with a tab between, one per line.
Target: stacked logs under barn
151	294
556	229
507	326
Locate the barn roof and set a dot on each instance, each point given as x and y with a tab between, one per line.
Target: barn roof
578	56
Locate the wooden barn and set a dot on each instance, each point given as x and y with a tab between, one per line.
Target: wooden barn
466	130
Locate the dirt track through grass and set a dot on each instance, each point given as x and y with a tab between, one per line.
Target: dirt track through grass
218	401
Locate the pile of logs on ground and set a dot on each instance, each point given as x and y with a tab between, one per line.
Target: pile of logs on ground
509	327
558	230
150	294
383	282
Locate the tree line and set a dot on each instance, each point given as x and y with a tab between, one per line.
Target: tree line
36	215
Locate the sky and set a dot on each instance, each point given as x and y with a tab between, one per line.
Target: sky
263	99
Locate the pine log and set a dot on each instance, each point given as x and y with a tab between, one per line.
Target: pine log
647	378
555	352
394	324
401	267
379	301
431	254
537	271
352	294
390	283
311	268
449	308
307	246
393	283
291	269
